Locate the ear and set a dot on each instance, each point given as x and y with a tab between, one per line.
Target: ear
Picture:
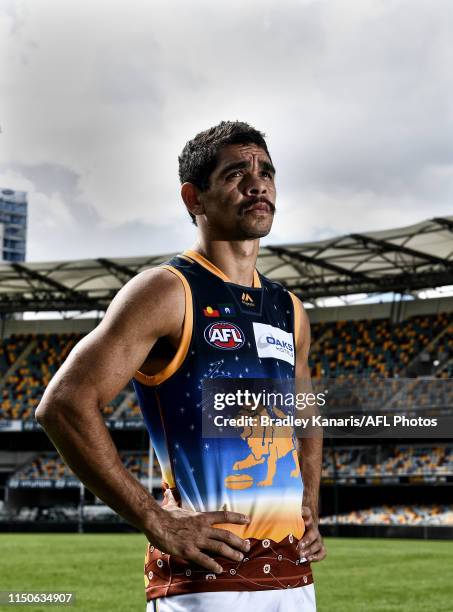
189	193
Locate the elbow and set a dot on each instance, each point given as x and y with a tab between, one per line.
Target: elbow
53	403
57	408
48	409
41	414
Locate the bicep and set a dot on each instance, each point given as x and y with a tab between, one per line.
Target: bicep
101	365
309	443
303	340
105	360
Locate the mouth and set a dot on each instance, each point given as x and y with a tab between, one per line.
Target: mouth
260	208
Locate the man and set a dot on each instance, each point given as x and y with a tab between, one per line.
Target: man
229	534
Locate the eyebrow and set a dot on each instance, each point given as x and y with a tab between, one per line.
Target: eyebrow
240	165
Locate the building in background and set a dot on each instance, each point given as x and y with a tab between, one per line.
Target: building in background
13	225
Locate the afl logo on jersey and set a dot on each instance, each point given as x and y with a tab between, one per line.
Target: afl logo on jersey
224	335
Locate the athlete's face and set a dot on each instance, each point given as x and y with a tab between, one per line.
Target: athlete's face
240	201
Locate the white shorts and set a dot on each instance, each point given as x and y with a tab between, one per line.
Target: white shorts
301	599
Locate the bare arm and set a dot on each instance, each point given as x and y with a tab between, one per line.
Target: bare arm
95	372
310	454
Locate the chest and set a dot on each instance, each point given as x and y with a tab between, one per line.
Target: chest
242	332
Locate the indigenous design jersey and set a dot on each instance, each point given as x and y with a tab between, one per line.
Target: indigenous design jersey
229	331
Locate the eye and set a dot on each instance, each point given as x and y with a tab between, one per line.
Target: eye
234	174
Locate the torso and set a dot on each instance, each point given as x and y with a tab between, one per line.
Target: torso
234	335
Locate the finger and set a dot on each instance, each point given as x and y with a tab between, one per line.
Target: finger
230	538
169	499
222	550
309	536
314	548
319	556
204	561
305	549
224	516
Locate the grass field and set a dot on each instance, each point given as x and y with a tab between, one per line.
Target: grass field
105	572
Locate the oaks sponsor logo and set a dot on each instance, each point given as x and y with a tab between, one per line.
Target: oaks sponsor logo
223	335
273	342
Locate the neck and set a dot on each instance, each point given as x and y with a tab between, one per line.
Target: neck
236	259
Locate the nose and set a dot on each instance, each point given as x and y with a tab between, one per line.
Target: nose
254	185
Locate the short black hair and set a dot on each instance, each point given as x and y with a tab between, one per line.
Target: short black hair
198	159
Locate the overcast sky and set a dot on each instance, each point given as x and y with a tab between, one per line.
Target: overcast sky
97	99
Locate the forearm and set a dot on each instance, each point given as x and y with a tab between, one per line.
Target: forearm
310	446
84	442
310	460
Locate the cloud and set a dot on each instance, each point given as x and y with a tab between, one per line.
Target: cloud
354	96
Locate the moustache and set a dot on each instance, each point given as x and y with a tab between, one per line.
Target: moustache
246	205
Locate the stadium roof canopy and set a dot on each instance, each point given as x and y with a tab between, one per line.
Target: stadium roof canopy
402	260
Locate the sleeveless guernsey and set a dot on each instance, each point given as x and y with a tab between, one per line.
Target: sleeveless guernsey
229	331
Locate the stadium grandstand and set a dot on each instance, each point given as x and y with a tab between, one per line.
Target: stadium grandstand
381	311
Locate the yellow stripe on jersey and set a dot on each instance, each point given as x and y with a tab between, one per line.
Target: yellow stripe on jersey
180	355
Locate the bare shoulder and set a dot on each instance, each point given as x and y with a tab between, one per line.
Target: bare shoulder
301	319
152	302
152	285
149	306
